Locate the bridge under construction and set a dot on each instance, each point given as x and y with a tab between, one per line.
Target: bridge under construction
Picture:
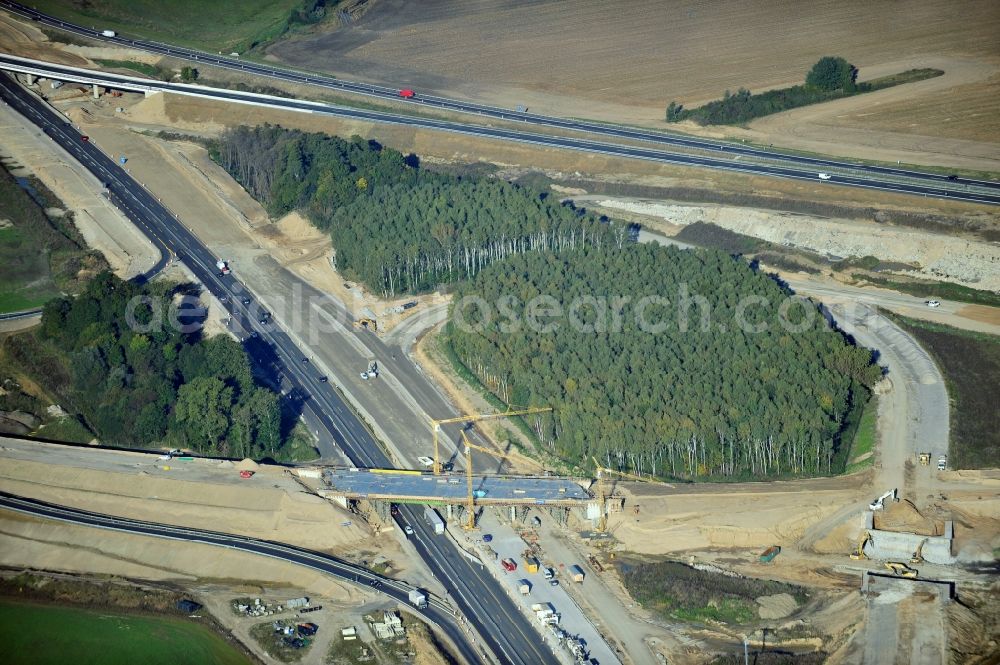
401	486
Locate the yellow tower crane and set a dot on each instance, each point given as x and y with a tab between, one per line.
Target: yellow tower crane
471	502
603	493
436	425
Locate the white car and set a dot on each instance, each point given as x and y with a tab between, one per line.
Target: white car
932	303
408	531
166	458
825	176
942	463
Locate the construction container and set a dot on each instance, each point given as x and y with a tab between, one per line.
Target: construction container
576	572
769	554
531	564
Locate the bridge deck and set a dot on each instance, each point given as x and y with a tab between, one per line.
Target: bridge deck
418	486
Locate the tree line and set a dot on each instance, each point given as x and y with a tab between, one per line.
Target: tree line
723	401
830	78
395	227
159	386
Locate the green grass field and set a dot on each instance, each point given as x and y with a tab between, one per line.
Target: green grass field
141	67
222	25
43	634
25	280
864	438
41	256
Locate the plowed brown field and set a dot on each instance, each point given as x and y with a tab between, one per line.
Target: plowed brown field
626	61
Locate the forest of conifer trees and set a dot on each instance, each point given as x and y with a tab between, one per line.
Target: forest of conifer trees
726	401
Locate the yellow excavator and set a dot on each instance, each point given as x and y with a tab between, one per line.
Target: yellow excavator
901	569
370	325
918	556
859	553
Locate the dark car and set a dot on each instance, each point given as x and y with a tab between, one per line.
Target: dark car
953	177
246	301
305	360
323	379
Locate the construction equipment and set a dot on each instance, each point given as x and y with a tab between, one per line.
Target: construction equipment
859	553
371	372
879	502
370	325
604	494
768	555
901	569
436	425
918	554
925	459
473	494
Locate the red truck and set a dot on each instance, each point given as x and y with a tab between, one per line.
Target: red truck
509	565
407	93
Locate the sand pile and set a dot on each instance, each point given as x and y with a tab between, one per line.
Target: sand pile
903	516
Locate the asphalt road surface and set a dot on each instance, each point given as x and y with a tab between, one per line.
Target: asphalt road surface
507	632
436	612
931	190
444	103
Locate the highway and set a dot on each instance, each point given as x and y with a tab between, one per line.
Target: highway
66	73
436	612
504	629
728	149
14	316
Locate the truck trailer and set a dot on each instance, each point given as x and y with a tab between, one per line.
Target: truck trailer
418	599
434	520
108	33
576	572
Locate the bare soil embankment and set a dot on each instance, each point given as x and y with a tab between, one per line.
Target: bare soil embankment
974	263
255	508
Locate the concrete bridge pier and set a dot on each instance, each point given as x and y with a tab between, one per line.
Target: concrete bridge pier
97	92
31	79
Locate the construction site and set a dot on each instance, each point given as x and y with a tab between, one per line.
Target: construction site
907	577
